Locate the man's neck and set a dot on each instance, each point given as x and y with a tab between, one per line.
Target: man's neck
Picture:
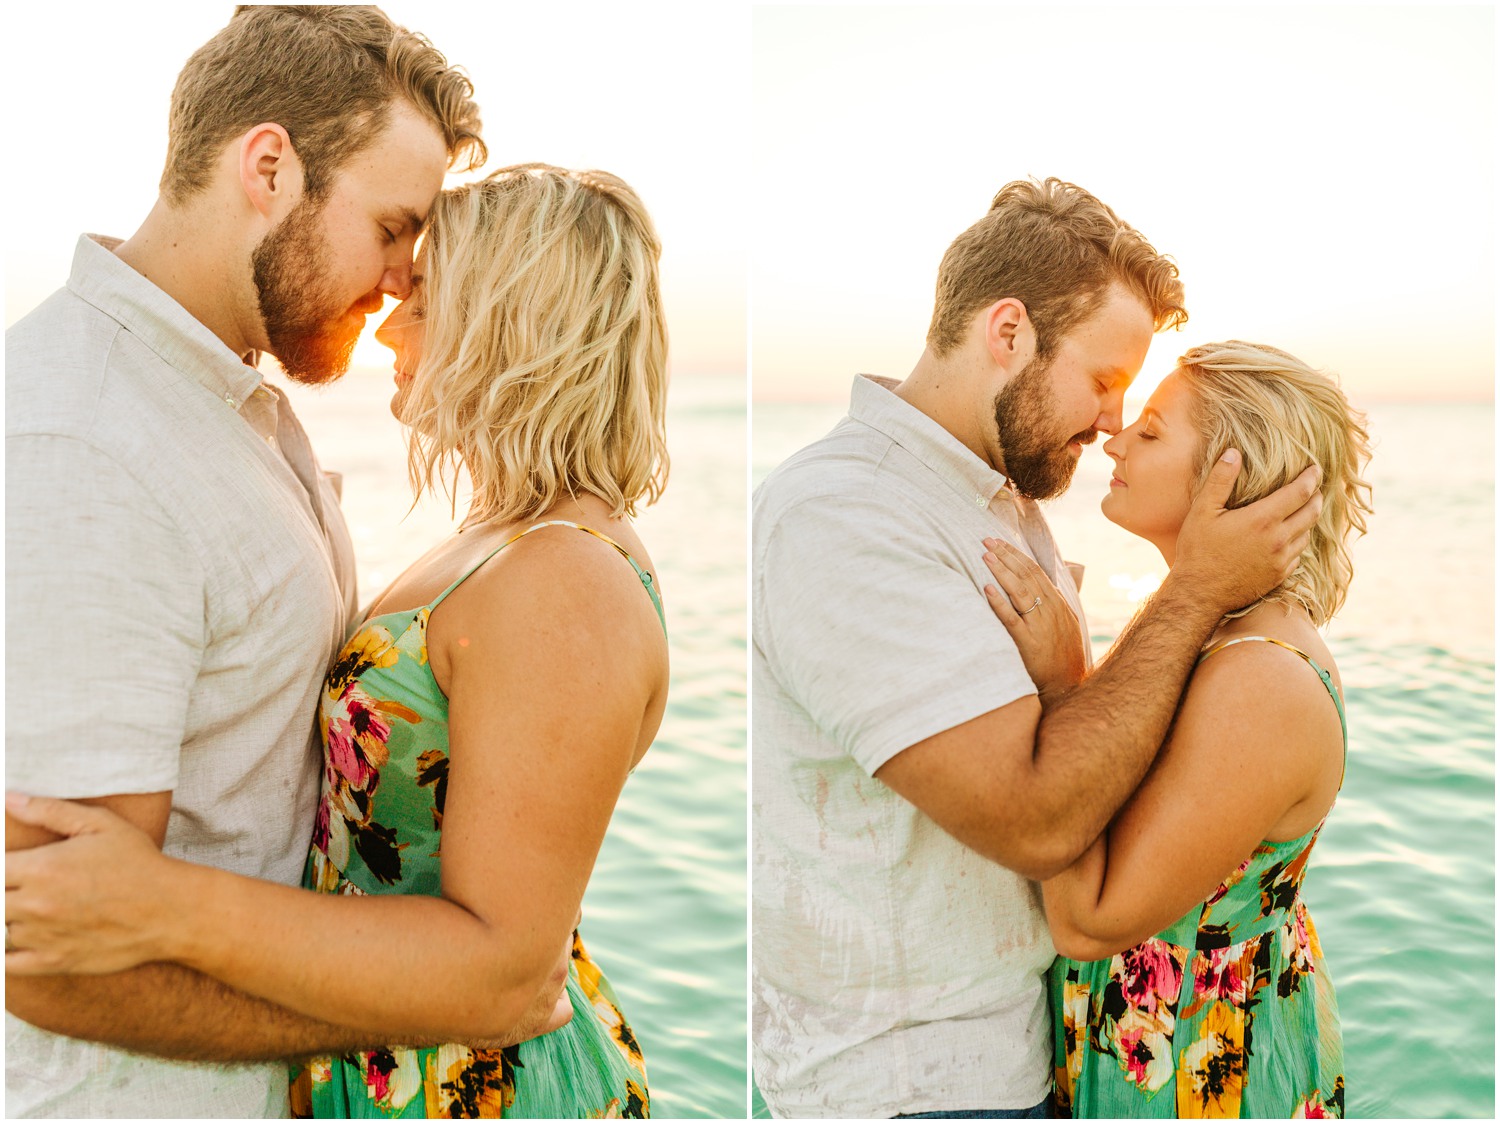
943	389
188	256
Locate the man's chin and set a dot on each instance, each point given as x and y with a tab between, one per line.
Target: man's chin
315	363
1049	484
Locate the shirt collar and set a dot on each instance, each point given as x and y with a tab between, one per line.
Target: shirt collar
158	321
873	402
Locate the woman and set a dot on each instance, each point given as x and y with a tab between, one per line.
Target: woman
1191	981
479	725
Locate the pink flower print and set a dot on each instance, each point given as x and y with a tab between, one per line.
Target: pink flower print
1221	977
356	738
320	826
378	1066
1311	1109
1148	974
1131	1054
1144	1053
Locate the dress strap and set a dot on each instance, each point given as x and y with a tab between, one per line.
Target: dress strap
1322	674
644	575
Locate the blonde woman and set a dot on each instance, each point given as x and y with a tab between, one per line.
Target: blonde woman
1191	981
479	725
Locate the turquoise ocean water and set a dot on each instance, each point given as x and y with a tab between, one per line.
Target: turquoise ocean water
665	911
1402	881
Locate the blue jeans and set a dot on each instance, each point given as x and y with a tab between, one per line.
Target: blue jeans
1041	1111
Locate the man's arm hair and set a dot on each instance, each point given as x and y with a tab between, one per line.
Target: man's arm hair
173	1012
1031	790
167	1010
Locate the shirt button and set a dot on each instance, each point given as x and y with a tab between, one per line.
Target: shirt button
233	405
271	440
980	500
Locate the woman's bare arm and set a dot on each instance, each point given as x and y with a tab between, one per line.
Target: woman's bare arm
553	659
1254	737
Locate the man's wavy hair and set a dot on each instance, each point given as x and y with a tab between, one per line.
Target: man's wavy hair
328	75
1056	249
544	361
1282	415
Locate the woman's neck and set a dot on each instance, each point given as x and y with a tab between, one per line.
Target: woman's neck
584	507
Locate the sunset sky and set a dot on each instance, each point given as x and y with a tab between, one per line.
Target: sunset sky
1323	176
657	95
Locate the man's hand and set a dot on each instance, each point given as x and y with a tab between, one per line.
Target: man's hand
1230	558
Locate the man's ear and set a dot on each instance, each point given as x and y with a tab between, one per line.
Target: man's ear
270	172
1008	335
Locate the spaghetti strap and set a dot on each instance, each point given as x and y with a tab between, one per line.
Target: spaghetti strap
1312	663
644	575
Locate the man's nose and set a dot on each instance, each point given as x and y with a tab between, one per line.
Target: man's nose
1111	419
397	281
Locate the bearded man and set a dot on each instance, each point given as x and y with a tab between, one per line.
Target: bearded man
177	569
909	785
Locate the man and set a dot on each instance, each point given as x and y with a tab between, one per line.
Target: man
178	571
908	782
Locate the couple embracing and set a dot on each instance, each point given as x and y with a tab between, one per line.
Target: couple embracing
355	839
990	878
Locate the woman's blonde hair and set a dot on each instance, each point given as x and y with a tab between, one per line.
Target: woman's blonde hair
544	365
1282	415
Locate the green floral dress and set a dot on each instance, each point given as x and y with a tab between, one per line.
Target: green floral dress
1229	1012
384	724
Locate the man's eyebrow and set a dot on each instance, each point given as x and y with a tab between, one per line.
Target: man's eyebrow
408	218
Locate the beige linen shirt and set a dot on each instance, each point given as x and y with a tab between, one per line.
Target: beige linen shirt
895	970
178	577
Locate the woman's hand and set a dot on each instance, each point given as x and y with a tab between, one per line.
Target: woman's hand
93	902
1038	618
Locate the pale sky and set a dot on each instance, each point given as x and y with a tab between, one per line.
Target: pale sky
1323	176
657	94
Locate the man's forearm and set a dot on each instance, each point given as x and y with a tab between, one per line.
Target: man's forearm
173	1012
1095	744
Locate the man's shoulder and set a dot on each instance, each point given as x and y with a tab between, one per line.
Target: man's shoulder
56	362
845	467
856	479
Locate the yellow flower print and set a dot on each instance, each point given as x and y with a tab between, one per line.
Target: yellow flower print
1212	1077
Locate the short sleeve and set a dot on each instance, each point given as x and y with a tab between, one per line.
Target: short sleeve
104	625
878	636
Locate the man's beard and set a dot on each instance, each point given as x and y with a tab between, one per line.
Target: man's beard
1038	465
305	326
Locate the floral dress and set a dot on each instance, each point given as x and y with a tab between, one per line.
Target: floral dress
1229	1012
384	725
